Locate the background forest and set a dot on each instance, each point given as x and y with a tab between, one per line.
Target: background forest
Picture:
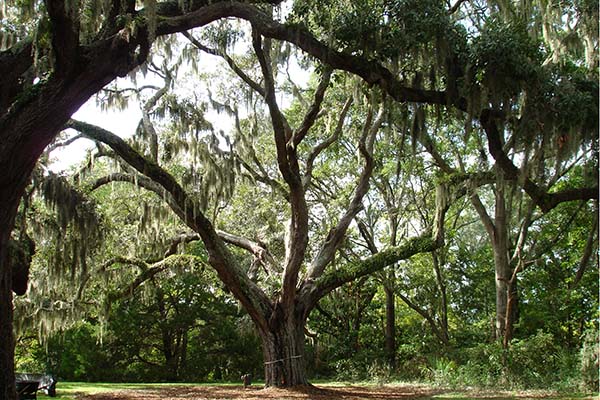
409	194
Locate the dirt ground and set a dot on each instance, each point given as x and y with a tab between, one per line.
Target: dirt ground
258	393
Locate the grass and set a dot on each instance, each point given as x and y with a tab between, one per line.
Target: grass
490	395
70	390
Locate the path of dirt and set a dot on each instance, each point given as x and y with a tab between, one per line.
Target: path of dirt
257	393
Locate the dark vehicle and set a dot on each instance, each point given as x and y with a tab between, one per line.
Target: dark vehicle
29	384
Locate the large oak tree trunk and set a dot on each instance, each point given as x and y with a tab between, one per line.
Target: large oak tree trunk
7	340
284	352
9	200
26	129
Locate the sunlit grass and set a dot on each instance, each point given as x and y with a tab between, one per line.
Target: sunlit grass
70	390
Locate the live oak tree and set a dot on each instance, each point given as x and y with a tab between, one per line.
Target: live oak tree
58	54
280	312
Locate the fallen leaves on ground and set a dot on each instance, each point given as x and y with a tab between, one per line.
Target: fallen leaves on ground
392	392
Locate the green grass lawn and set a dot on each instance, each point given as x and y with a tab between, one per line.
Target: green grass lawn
70	390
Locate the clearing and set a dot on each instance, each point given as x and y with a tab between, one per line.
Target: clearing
322	392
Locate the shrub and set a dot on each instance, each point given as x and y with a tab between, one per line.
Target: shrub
380	373
536	362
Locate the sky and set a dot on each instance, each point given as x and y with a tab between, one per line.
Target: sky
122	123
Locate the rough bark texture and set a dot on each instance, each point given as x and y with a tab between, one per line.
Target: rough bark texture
11	189
26	128
505	284
7	346
390	325
283	349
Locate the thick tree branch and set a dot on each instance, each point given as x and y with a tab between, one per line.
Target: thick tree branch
14	62
141	264
456	6
258	250
483	215
150	271
179	239
427	142
331	280
366	235
544	200
64	23
590	245
372	72
426	315
288	166
251	296
281	130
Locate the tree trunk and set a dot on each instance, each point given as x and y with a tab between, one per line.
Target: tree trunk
437	266
25	132
9	200
390	325
284	353
7	339
506	289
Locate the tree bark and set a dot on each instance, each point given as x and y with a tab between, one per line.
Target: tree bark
7	339
506	288
283	349
390	325
437	263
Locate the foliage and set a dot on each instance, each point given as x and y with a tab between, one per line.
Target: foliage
133	344
533	363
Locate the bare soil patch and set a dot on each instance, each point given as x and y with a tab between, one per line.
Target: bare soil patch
257	393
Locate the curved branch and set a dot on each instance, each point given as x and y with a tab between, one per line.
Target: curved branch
544	200
147	108
55	145
267	180
230	273
331	280
311	116
65	34
315	151
141	264
258	250
177	240
590	245
372	72
149	273
287	161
